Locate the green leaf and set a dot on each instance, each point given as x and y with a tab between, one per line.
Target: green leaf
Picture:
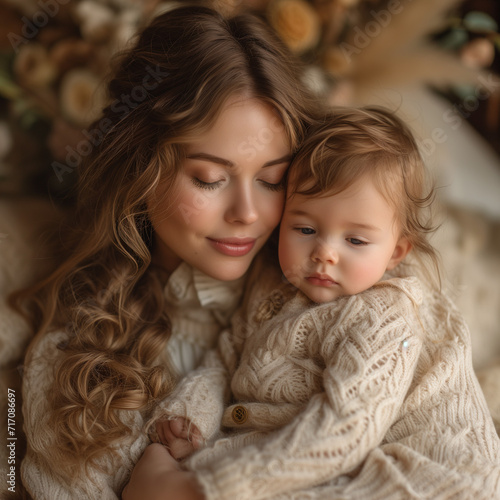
464	91
480	21
27	115
8	87
454	39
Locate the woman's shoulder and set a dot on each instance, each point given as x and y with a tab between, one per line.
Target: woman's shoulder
46	350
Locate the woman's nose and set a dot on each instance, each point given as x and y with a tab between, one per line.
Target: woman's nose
324	252
243	207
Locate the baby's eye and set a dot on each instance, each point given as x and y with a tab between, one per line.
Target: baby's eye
305	230
206	185
356	242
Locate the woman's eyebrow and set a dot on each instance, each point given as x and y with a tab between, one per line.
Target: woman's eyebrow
211	158
230	164
283	159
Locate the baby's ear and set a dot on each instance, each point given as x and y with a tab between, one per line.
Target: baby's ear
403	247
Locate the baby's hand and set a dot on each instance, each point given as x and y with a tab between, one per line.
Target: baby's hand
180	436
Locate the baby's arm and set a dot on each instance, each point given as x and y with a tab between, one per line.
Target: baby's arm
369	368
193	412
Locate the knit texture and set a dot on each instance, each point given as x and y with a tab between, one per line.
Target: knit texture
371	396
198	307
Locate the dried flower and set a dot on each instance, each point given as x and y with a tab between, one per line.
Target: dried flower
97	21
33	67
478	53
81	96
296	22
126	28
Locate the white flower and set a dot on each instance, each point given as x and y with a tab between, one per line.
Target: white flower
33	67
81	96
97	21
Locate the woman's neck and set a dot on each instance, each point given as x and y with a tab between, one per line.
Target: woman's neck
163	257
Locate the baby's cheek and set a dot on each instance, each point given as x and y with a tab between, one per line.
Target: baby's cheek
289	254
364	275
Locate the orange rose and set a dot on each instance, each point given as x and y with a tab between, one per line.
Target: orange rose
296	22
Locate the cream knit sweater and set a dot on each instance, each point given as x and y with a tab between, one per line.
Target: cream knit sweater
369	397
199	307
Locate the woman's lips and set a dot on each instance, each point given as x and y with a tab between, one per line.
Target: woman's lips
321	280
234	247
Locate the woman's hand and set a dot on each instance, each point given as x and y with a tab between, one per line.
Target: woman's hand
180	436
157	476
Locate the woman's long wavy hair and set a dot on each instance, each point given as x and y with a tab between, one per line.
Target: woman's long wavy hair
106	294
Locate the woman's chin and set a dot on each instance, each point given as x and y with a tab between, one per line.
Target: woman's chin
229	273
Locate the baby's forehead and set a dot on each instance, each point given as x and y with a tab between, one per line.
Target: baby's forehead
361	202
306	204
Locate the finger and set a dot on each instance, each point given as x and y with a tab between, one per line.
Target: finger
195	437
179	427
181	448
169	437
184	429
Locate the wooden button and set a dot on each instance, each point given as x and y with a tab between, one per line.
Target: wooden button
239	414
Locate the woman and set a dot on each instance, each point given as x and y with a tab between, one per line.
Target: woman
180	193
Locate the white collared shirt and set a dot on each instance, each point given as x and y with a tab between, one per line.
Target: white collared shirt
199	307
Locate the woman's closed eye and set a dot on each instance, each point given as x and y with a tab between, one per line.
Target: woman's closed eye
278	186
206	185
214	185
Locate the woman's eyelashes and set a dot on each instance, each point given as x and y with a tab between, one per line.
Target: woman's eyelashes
206	185
216	184
278	186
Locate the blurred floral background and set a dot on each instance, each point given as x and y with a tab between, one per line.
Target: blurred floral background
55	53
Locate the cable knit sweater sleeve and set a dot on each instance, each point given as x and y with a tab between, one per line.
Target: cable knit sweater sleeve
200	396
42	480
370	345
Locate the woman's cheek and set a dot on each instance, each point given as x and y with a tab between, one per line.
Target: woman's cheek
273	209
194	206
